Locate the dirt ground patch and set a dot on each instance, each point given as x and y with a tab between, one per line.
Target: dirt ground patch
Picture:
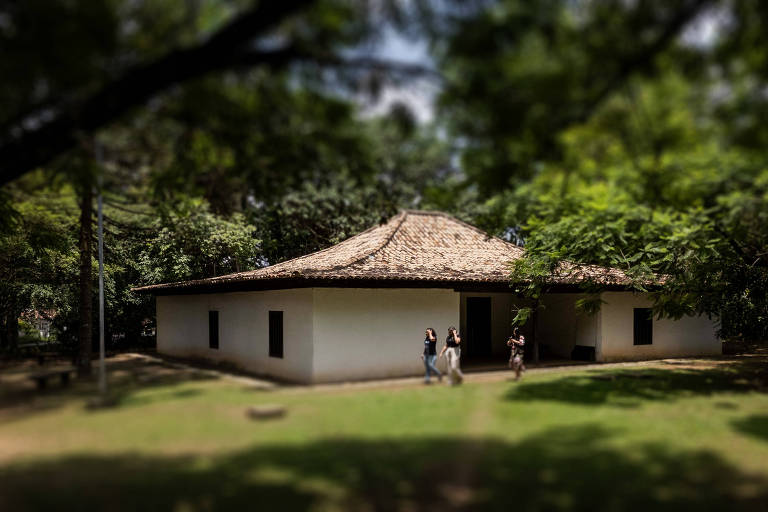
134	369
126	373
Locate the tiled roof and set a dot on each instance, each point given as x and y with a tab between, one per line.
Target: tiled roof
412	246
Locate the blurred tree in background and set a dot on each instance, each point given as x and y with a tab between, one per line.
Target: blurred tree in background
33	247
628	134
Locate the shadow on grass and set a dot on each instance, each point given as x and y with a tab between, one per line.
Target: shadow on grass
629	388
755	425
133	377
566	469
126	378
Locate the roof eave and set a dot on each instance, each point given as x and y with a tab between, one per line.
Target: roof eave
207	287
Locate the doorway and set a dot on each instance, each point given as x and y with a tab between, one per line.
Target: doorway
478	342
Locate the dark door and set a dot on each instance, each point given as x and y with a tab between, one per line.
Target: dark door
478	342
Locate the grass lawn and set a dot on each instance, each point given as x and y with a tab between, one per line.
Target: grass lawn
663	437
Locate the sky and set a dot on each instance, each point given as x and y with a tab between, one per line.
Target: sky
419	94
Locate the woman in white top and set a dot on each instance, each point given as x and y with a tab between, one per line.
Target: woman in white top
452	352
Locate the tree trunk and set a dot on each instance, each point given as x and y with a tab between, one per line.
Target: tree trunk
533	333
13	329
8	328
83	358
9	324
3	327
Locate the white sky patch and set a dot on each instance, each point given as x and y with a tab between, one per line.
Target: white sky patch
418	94
704	30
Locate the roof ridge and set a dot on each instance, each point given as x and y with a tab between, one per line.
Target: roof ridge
403	215
304	256
391	227
481	231
438	213
409	246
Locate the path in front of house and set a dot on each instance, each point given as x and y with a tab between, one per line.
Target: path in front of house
500	375
266	384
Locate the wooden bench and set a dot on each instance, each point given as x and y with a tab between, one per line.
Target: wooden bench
37	350
41	378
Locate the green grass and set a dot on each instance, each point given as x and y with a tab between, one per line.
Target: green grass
655	438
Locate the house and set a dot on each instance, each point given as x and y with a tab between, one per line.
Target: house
40	320
358	310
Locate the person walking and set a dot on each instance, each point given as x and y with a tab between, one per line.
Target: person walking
452	353
517	344
430	356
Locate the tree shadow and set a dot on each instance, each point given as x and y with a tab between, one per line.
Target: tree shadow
629	388
132	377
755	425
563	469
126	378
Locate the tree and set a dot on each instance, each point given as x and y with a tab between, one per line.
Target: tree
643	153
160	226
517	75
190	242
110	58
53	106
396	167
666	203
31	250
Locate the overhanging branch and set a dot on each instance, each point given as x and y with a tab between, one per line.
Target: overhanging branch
645	55
28	149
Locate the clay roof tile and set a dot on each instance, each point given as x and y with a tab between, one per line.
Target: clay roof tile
412	246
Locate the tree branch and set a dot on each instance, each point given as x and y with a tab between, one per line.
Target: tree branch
331	60
644	57
375	64
32	148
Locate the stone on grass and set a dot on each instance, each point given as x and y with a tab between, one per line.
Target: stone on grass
267	411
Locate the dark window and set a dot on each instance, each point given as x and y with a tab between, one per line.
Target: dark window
213	329
478	328
276	334
643	326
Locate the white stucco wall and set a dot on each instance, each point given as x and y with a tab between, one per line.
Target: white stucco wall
560	327
337	334
182	329
689	336
365	333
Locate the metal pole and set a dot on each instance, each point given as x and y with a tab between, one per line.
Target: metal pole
102	364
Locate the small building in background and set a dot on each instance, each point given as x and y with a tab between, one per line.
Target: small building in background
359	309
40	320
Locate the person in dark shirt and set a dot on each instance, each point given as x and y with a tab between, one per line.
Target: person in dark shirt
430	355
452	353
